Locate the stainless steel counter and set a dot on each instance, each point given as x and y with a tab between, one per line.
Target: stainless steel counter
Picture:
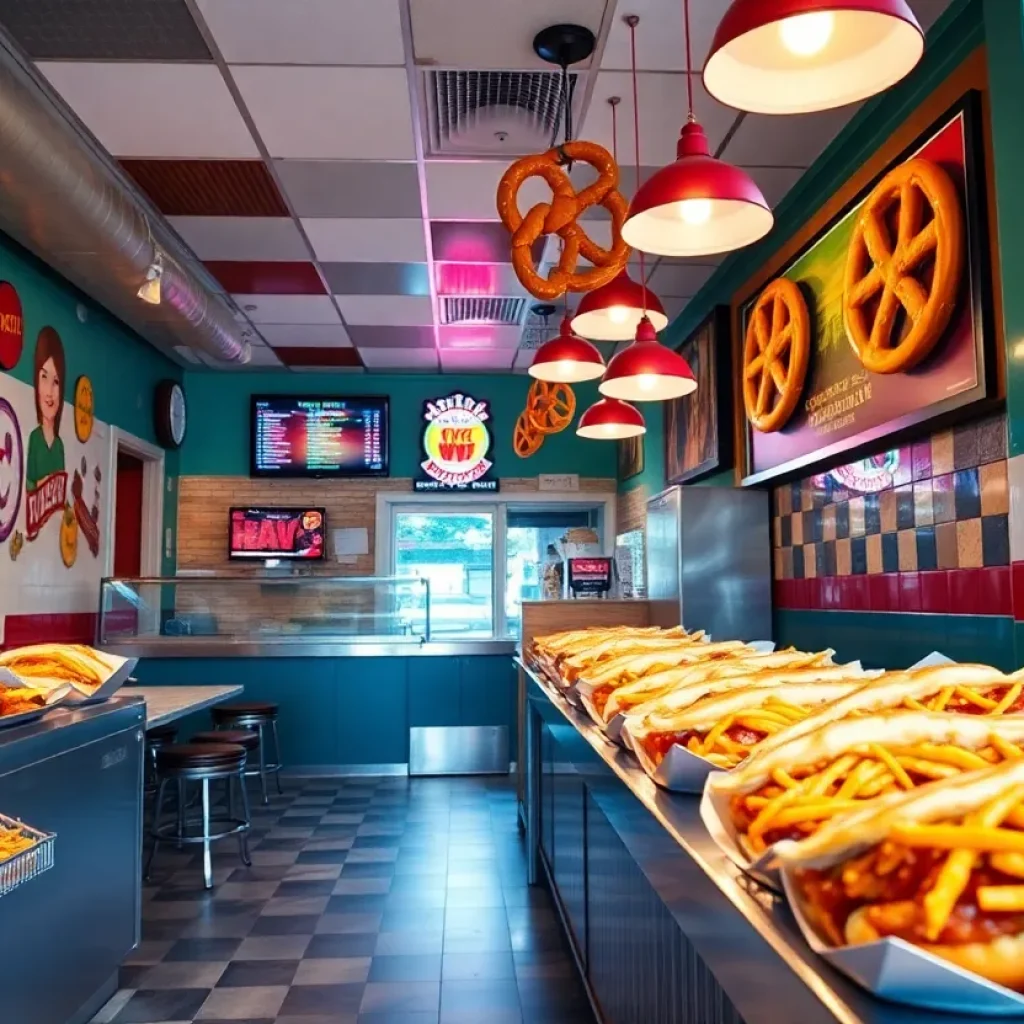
77	773
646	894
320	647
165	704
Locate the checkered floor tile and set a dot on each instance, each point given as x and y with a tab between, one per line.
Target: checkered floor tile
369	901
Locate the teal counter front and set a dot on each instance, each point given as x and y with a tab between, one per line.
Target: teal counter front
357	708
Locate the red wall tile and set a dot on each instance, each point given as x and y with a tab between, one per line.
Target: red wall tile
995	592
62	628
934	591
910	592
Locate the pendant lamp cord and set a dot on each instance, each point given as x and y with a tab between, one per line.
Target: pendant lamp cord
632	20
689	60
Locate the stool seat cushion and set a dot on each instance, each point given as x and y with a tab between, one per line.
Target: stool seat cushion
229	756
259	708
242	737
162	733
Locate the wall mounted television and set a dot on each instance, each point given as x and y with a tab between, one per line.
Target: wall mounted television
319	436
274	532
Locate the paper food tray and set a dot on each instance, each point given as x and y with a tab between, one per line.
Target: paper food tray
714	812
613	729
55	696
902	973
680	770
110	686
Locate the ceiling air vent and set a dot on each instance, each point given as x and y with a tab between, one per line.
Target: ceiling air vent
496	113
482	310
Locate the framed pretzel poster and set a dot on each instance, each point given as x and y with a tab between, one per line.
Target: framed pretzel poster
883	321
698	426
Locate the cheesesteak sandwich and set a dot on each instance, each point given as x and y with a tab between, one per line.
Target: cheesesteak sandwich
797	787
727	728
941	867
731	664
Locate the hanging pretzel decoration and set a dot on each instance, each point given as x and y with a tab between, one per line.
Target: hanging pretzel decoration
550	407
526	439
560	217
915	269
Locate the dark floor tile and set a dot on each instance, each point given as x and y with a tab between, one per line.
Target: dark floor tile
259	873
313	887
475	966
398	1017
479	996
310	821
207	950
131	975
401	997
377	842
331	947
406	968
258	973
322	857
295	924
155	1005
322	1000
368	870
372	904
282	844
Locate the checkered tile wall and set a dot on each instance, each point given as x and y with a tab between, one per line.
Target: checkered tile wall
923	527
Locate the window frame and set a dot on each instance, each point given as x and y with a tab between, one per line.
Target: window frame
389	503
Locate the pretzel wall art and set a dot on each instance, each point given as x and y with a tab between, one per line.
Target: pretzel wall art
561	216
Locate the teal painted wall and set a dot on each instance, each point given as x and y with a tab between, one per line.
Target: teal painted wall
124	368
218	437
899	640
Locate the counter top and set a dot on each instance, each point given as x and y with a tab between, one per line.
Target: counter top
168	703
313	647
744	933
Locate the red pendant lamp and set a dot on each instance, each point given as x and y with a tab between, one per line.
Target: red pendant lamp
613	311
795	56
647	371
567	358
698	205
611	420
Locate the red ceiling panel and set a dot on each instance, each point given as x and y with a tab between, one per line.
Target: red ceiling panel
208	188
267	278
297	355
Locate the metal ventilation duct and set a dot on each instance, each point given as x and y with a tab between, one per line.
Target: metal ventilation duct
62	197
495	113
461	309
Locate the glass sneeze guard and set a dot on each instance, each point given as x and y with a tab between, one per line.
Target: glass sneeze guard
310	609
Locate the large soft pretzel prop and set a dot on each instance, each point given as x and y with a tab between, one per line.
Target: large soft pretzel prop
560	217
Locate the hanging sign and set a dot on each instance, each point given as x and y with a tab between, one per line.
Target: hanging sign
456	440
12	332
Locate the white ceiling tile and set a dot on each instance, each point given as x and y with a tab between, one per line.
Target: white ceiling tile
289	309
678	279
242	238
471	34
399	358
306	31
154	110
477	279
775	182
387	310
263	357
366	240
330	113
306	335
660	40
477	359
797	141
662	115
467	190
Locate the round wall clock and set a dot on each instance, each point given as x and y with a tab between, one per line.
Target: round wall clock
170	413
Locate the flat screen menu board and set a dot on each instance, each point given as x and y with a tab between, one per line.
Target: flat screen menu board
297	533
319	435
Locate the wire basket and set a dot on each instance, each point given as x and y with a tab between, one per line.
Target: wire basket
32	861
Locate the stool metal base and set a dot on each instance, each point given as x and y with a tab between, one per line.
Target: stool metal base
259	724
178	831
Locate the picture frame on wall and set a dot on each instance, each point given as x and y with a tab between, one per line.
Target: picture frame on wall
699	426
858	390
630	452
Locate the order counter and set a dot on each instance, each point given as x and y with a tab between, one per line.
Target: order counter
663	926
365	681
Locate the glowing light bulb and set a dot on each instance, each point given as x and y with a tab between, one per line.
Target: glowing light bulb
694	211
566	367
647	382
618	314
609	429
807	34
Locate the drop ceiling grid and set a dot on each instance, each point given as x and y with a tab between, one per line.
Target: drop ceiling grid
287	159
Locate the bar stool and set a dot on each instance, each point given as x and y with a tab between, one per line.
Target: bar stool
260	716
185	763
156	738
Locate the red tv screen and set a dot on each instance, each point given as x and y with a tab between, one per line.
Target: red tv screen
277	533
